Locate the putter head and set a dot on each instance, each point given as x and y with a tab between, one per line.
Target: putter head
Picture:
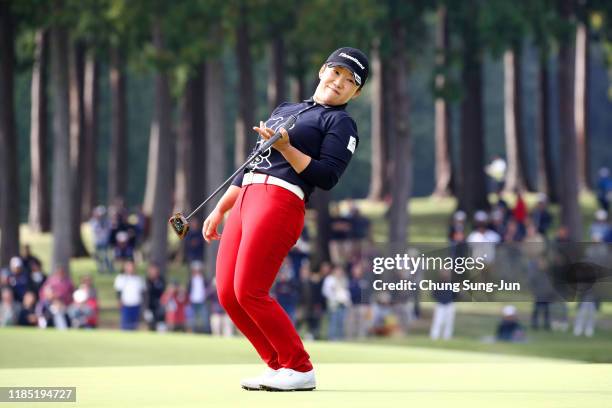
179	224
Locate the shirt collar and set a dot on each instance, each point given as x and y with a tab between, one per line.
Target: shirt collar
311	100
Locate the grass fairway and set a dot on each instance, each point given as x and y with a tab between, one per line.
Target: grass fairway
113	369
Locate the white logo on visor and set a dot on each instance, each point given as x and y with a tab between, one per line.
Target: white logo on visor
352	144
355	60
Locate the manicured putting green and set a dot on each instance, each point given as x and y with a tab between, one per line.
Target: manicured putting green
113	369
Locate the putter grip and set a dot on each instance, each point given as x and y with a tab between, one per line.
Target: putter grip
288	123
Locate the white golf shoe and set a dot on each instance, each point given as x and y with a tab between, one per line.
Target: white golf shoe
290	380
254	383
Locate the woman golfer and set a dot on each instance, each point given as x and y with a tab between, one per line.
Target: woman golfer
267	215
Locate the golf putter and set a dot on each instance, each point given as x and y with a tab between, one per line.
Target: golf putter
180	223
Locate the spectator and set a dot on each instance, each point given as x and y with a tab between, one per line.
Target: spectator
220	322
27	314
541	216
286	290
130	288
83	311
174	301
604	188
499	224
534	248
340	229
513	232
28	258
300	252
586	315
335	290
156	285
520	212
51	309
483	240
457	225
37	277
61	286
199	321
19	279
509	329
101	231
443	321
496	170
9	309
599	228
360	229
358	318
194	243
313	302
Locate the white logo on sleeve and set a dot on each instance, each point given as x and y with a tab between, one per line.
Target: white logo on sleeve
352	144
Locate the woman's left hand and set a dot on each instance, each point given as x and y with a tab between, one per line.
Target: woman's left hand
266	132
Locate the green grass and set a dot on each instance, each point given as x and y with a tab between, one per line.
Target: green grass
115	369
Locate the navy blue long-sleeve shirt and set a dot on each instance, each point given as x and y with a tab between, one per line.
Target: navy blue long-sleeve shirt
325	133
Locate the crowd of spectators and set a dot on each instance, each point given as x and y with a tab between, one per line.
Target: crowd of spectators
31	298
334	296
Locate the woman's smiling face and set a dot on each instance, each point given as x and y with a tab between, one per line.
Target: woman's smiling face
336	86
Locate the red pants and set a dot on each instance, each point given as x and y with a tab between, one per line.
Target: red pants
263	225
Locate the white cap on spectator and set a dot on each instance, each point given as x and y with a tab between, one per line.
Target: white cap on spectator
497	214
542	198
459	215
16	262
601	215
481	216
509	310
79	295
99	211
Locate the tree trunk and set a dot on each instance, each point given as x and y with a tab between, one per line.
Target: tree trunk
388	128
61	213
298	84
473	189
444	167
118	172
581	105
191	146
215	145
183	149
402	186
77	145
517	174
570	209
39	218
162	191
546	173
245	139
378	152
276	78
321	199
197	181
9	177
89	179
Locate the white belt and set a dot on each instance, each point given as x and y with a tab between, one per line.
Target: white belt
258	178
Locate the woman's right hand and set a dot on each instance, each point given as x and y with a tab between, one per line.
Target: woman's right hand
209	229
